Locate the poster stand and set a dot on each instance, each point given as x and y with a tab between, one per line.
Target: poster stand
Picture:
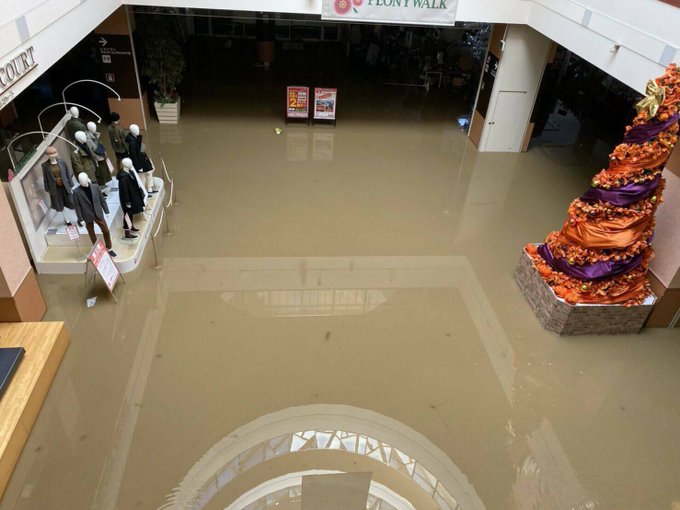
297	104
104	266
325	105
74	235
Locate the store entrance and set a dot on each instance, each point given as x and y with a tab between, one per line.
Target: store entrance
239	64
580	110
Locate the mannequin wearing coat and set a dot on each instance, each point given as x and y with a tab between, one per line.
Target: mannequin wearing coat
99	152
83	159
58	180
91	208
131	197
140	160
74	124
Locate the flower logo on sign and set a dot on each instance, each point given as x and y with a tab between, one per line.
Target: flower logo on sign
343	6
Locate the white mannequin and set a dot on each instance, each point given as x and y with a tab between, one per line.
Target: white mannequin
146	177
74	111
84	180
53	160
92	128
81	137
127	167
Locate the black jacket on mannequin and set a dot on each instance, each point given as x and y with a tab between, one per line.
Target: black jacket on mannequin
90	209
140	160
131	195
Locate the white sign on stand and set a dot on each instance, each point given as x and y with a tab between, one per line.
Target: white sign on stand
105	266
72	233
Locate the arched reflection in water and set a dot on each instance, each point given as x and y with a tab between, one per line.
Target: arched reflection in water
326	427
287	491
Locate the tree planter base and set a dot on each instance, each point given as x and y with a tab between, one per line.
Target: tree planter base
557	316
168	113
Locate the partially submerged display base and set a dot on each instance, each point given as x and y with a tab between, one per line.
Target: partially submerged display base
558	316
68	257
45	344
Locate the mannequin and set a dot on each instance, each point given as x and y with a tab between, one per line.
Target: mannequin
131	197
91	207
74	124
58	180
99	152
83	159
140	160
117	136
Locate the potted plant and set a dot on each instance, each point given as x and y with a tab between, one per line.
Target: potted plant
163	65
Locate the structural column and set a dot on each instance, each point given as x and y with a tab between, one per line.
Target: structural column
510	81
664	268
20	296
119	67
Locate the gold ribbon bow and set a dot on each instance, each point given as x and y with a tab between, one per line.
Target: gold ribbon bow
653	99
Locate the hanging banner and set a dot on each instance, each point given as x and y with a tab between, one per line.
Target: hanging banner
325	102
416	12
103	263
297	102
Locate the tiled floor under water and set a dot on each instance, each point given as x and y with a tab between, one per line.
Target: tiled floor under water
351	286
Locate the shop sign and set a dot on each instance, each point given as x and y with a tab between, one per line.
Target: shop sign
418	12
12	70
297	102
325	101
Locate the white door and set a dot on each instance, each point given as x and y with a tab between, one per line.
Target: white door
506	125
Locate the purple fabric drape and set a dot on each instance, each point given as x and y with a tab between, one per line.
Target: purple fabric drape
625	195
590	271
644	132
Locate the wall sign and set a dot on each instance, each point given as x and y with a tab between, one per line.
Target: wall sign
418	12
12	70
325	102
297	102
118	64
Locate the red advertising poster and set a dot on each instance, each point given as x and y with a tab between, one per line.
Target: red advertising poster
325	102
103	263
297	102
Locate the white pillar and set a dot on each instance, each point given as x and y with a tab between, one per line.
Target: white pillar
504	125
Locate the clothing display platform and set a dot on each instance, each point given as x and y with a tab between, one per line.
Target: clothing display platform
63	256
56	235
45	344
558	316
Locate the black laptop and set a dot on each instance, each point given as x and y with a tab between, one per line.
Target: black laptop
9	361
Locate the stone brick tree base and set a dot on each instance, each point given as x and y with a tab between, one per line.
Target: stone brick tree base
557	316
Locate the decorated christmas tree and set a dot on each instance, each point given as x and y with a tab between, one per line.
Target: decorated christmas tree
602	253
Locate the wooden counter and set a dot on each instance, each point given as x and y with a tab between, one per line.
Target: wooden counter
45	344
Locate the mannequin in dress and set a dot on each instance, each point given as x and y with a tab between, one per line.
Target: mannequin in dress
131	197
58	181
91	208
74	124
99	152
83	159
139	158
